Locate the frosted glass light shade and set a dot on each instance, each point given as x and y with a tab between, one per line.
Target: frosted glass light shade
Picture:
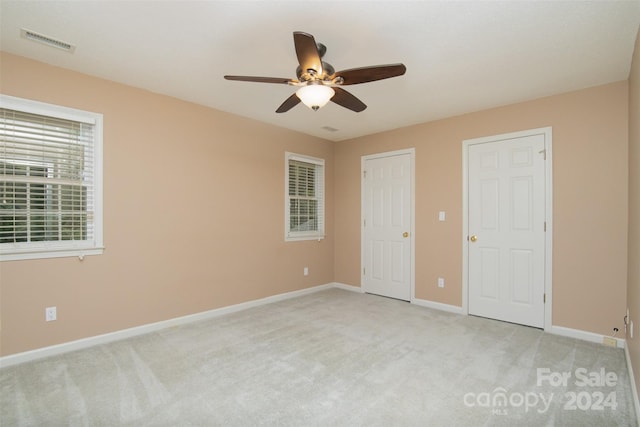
315	96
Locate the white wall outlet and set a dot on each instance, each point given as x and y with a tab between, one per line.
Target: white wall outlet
441	282
50	314
441	216
626	322
305	271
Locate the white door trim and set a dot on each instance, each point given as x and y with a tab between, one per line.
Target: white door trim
548	273
412	154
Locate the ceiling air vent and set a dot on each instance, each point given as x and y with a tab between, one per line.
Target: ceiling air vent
49	41
329	129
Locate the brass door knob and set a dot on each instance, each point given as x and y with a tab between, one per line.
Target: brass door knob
473	238
405	234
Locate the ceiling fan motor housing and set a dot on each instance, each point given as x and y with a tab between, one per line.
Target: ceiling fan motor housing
311	74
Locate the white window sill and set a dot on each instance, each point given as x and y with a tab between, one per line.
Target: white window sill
302	238
49	253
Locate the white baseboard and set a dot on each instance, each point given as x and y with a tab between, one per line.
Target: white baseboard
348	287
437	305
557	330
53	350
421	302
582	335
634	389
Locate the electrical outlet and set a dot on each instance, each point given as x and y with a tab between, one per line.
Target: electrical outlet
626	323
50	314
305	271
441	282
610	341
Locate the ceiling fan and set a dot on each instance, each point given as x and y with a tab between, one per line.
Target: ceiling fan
317	80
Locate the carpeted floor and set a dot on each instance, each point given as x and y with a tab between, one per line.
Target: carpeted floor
332	358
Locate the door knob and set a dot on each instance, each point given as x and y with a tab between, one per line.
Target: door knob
405	234
473	238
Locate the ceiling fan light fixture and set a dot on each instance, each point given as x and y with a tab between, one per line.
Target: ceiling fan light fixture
315	96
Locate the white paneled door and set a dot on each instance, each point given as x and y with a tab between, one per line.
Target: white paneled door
386	226
506	229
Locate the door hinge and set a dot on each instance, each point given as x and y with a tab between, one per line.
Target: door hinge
545	226
544	298
364	222
364	174
364	271
544	154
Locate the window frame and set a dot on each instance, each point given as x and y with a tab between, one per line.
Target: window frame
319	234
63	248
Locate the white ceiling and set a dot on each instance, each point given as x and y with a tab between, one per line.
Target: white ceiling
460	56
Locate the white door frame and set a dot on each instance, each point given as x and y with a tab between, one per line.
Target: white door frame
548	276
363	159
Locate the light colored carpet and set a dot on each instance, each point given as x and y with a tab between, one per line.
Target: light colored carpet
333	358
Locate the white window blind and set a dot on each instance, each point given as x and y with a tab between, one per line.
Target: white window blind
50	191
304	219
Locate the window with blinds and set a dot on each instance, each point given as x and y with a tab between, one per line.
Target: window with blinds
304	186
50	188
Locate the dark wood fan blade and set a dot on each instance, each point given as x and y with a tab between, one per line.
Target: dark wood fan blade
370	74
344	98
260	79
307	52
288	104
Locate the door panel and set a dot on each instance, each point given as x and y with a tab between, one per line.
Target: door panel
386	205
506	202
377	259
490	266
521	270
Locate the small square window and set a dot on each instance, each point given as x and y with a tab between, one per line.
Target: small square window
304	189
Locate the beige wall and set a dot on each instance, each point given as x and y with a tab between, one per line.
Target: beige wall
193	218
169	162
633	279
590	200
